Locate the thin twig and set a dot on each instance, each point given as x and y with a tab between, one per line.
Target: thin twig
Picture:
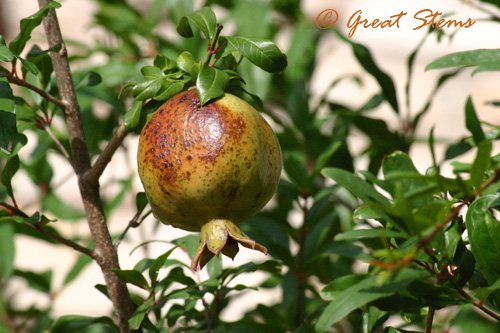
483	9
468	297
430	319
42	93
134	223
17	212
95	172
58	143
213	44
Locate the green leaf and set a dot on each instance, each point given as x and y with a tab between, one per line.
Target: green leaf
295	165
472	122
28	24
260	52
481	163
151	72
188	243
171	90
358	234
6	54
141	201
385	82
61	209
41	59
363	293
132	117
210	83
204	19
158	264
483	293
133	277
89	79
77	323
355	185
325	157
487	68
8	172
401	162
466	59
147	89
7	250
37	281
484	236
185	61
139	314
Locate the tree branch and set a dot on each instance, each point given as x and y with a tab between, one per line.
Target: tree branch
42	93
58	238
106	255
104	158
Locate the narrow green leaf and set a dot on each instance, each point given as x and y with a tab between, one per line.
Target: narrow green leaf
295	165
6	54
487	68
132	117
355	185
8	172
158	264
366	61
472	122
140	201
363	293
481	163
210	83
325	157
146	90
7	250
484	235
358	234
78	323
56	205
467	58
133	277
171	90
37	281
89	79
28	24
204	19
261	52
139	314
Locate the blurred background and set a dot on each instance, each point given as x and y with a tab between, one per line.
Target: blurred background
390	48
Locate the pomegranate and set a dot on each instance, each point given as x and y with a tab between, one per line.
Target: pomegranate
208	168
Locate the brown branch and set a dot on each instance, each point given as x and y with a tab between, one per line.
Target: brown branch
42	93
58	238
106	255
104	158
429	320
212	48
465	295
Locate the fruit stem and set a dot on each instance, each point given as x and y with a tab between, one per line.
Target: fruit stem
213	44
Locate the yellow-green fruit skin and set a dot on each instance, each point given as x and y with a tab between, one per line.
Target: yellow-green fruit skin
200	163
